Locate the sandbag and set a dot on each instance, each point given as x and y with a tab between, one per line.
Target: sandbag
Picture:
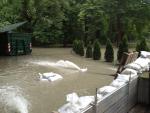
84	101
123	78
143	62
116	83
68	108
145	54
49	76
72	98
129	71
106	89
134	66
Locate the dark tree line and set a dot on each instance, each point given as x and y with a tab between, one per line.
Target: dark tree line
63	21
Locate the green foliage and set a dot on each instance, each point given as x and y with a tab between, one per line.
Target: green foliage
89	51
142	45
75	46
109	52
78	47
61	21
81	48
123	47
96	51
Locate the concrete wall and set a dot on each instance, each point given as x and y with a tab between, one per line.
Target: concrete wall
119	101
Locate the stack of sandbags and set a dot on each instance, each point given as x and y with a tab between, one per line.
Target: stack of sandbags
140	64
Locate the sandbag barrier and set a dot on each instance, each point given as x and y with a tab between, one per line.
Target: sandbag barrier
122	94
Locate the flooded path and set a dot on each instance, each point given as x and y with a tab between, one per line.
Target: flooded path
44	97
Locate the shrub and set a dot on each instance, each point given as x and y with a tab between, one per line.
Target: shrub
96	51
109	53
75	45
80	48
142	45
123	47
89	51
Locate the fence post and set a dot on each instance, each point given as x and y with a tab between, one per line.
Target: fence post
129	92
96	101
149	84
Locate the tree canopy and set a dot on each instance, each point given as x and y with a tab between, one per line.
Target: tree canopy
62	21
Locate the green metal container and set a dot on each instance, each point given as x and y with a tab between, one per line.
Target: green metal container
12	43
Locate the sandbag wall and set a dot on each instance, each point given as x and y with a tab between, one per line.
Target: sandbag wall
120	101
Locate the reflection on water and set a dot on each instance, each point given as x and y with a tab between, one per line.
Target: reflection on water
45	97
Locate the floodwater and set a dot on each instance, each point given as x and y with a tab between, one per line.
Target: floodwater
44	97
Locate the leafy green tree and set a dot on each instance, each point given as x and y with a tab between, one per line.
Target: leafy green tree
123	47
89	51
96	51
109	52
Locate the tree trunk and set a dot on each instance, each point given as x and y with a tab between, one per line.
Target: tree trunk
120	32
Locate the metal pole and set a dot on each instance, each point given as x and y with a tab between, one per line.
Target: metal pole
149	84
96	101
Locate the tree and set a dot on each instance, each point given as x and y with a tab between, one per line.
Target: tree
96	51
142	45
75	46
109	53
125	14
123	47
89	51
81	48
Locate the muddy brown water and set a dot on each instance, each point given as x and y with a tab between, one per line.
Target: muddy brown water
45	97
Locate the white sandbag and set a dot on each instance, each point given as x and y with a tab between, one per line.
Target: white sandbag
143	62
145	54
55	77
84	101
72	98
75	103
116	83
99	96
49	76
123	78
41	78
68	108
129	71
134	66
106	89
